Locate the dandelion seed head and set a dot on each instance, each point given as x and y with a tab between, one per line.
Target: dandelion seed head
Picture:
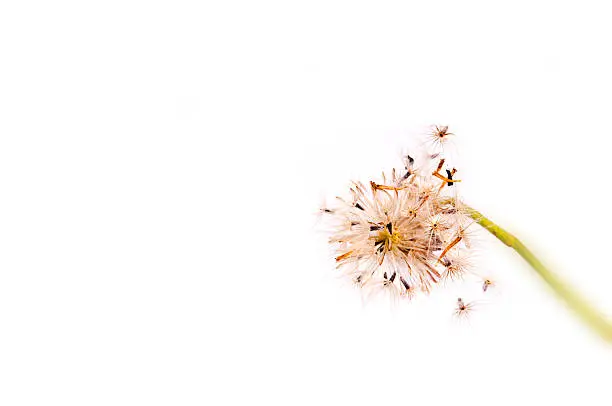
402	234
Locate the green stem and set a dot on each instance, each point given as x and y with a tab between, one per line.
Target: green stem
584	310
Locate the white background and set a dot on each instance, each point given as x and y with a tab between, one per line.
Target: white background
161	164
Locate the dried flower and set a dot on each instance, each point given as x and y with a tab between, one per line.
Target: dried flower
402	235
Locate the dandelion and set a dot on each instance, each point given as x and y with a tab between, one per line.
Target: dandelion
408	231
397	235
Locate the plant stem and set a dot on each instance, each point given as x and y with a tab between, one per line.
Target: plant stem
585	311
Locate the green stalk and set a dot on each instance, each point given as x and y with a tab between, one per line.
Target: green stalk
580	305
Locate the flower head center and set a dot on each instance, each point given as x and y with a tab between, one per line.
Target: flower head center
389	237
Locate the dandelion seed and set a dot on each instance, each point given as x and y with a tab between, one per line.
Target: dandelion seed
456	266
463	310
487	284
408	167
439	136
466	234
449	175
445	180
442	132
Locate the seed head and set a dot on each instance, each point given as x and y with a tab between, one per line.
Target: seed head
404	234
